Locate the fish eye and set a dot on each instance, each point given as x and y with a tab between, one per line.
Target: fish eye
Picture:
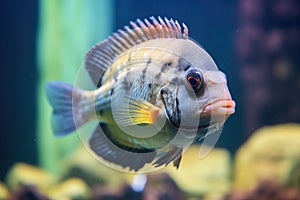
194	79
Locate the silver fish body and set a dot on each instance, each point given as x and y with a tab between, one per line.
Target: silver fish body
157	92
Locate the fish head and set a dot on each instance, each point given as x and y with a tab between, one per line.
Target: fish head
199	98
211	99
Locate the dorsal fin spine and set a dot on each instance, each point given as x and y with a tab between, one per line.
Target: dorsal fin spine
158	27
105	51
132	34
104	57
152	29
164	27
169	26
118	46
126	37
185	31
103	54
99	58
144	28
114	47
138	31
178	27
176	32
108	50
123	42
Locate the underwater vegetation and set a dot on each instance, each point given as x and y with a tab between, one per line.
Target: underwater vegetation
59	54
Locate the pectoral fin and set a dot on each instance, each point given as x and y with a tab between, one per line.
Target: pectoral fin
135	111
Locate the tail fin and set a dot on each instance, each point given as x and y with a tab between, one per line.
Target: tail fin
62	96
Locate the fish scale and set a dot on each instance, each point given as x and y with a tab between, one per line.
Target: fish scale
138	55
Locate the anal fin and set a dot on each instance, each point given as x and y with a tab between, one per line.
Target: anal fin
176	162
174	155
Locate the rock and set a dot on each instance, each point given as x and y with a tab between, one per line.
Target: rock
28	192
72	188
203	176
4	193
22	174
122	192
265	190
84	166
161	186
272	152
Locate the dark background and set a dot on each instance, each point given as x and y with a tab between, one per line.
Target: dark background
18	83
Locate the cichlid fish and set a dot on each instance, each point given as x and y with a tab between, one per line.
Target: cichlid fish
156	92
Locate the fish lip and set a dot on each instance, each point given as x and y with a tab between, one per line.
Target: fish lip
221	107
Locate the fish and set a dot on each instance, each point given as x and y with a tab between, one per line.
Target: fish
156	92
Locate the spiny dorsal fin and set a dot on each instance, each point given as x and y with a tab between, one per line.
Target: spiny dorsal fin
103	54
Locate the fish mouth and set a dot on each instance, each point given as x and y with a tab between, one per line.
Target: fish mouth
213	115
215	112
222	107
